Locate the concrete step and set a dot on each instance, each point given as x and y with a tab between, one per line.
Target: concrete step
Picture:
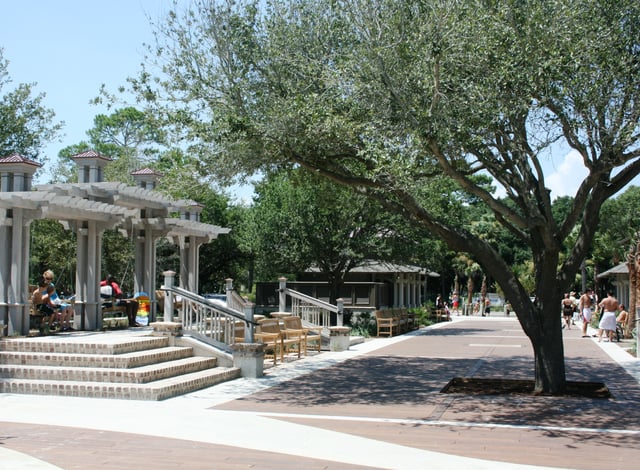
142	374
157	390
115	361
90	344
130	365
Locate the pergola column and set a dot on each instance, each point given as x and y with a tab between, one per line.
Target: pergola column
88	313
145	267
14	274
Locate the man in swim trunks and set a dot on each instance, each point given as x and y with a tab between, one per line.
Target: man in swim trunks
608	319
585	311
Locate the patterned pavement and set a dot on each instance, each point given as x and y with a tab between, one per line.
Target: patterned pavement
377	405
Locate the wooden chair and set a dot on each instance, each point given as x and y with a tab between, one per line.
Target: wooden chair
274	339
293	328
387	323
442	313
238	332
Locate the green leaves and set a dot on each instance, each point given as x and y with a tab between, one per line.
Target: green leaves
408	103
25	124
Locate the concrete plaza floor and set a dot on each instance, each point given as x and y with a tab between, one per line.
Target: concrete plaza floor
377	405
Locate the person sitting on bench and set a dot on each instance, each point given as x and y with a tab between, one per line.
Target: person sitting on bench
62	309
131	305
42	303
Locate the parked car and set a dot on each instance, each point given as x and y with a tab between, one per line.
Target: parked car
494	299
216	299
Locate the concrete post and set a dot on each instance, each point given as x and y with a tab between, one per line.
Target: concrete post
166	328
169	279
340	316
339	339
228	289
282	296
249	327
249	358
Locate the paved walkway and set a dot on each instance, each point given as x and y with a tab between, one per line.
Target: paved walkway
375	406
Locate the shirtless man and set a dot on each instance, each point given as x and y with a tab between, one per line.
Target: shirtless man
585	311
608	320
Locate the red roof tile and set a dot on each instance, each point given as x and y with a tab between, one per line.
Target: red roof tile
17	158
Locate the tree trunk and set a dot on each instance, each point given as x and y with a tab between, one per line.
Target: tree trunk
336	280
548	347
470	287
633	286
549	371
634	273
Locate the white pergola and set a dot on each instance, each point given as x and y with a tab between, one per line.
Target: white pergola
88	208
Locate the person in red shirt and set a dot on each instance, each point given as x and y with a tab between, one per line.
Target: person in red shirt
131	306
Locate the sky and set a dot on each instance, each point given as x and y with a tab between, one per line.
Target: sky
70	47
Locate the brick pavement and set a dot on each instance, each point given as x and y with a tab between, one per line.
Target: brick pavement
388	394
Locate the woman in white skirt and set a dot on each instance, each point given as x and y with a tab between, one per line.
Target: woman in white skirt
609	306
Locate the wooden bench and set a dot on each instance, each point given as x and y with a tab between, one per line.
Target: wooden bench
440	313
293	329
388	323
412	322
38	320
403	320
275	340
114	316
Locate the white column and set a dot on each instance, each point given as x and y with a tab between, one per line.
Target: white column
23	290
193	261
149	274
93	315
402	291
184	262
5	179
81	277
16	320
396	293
5	272
138	284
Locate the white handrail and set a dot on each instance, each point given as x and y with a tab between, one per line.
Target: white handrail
211	322
311	310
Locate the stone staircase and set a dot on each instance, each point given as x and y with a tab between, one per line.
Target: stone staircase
99	365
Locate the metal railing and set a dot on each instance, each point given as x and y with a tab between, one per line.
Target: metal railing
311	310
209	321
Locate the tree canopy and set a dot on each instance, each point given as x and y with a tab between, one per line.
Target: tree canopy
305	221
396	98
25	124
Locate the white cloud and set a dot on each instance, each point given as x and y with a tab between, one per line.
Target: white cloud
566	178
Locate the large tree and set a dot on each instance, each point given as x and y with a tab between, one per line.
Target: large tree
25	124
389	96
306	221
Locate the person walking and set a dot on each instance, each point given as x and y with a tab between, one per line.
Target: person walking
584	306
572	296
567	311
607	323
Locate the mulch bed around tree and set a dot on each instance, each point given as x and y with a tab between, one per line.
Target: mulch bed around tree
495	386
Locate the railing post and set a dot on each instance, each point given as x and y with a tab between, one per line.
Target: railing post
228	289
249	328
282	297
340	315
169	277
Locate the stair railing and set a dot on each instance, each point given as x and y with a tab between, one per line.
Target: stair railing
309	309
211	322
